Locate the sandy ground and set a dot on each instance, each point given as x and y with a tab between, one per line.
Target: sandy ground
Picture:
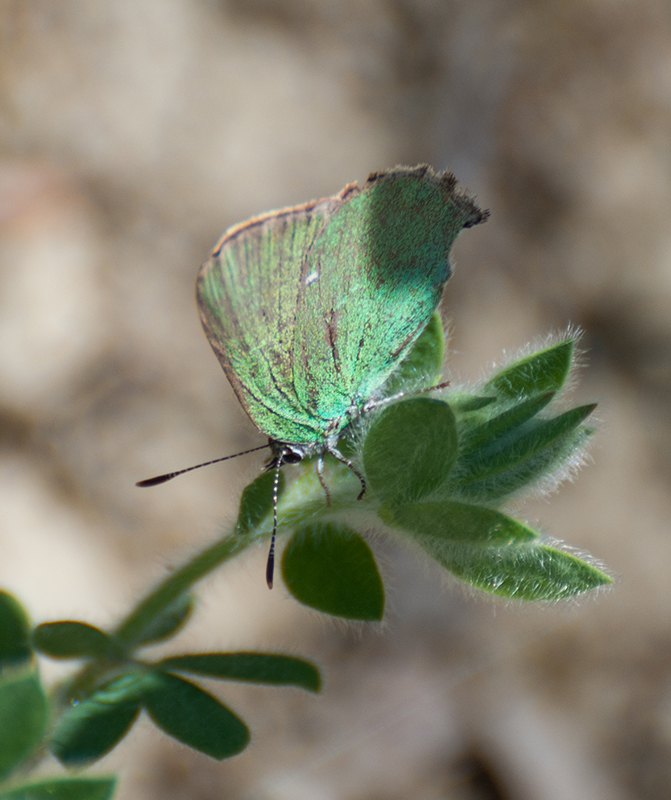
131	135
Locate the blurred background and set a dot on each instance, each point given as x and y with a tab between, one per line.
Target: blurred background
131	135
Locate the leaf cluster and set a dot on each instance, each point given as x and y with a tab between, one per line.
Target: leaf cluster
91	714
439	472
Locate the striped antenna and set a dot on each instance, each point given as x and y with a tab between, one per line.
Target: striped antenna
170	475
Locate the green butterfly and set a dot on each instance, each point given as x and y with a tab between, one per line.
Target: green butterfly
311	309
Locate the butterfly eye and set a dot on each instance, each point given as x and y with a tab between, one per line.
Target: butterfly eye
291	457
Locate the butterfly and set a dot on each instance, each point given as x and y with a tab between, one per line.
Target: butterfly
311	309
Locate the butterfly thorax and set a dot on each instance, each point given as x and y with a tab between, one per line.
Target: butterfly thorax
326	441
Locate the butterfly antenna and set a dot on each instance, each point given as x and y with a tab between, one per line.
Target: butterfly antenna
170	475
270	565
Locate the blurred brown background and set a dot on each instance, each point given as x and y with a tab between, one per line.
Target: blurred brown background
132	134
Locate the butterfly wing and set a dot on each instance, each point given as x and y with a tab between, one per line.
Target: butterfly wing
378	270
310	309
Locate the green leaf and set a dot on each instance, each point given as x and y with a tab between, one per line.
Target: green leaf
23	719
168	621
424	363
63	789
524	572
256	502
14	633
538	373
71	639
451	522
93	726
255	667
195	718
525	474
467	403
410	449
331	568
503	424
529	452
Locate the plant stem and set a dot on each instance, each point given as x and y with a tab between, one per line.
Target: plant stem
131	630
303	501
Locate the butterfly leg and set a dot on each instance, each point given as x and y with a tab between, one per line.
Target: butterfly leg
371	404
320	475
337	454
